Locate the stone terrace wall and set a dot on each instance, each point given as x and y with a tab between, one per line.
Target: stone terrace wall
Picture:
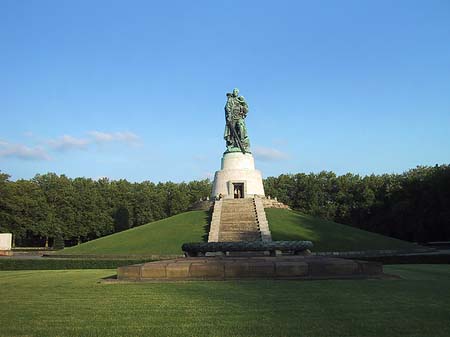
273	203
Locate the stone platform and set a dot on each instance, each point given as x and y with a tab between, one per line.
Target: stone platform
264	267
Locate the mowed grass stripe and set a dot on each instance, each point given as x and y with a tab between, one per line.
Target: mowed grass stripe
72	303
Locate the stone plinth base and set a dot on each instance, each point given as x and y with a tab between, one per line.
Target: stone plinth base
237	168
5	241
6	253
264	267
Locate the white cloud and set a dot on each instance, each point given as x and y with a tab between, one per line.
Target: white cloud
101	136
67	142
64	143
121	136
9	150
269	154
128	137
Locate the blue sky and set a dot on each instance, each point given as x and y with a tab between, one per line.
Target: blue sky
136	89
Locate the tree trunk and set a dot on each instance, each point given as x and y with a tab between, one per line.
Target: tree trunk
46	242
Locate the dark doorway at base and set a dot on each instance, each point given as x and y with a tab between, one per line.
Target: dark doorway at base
238	189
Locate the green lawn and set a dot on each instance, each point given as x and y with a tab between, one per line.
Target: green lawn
163	237
327	235
72	303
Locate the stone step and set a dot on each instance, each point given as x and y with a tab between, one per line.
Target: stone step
250	212
238	210
247	228
239	236
237	231
237	213
238	219
238	239
239	205
239	223
249	232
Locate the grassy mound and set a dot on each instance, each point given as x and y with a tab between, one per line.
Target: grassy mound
327	235
163	237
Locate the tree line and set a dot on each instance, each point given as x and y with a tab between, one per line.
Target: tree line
53	206
413	206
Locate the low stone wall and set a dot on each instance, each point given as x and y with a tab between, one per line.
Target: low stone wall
214	228
262	220
272	203
228	268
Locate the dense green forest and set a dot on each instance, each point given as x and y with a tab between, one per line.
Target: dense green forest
414	205
51	206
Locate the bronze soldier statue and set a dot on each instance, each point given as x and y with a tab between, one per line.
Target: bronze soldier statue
235	135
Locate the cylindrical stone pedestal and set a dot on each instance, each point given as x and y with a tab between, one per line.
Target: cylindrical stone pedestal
237	168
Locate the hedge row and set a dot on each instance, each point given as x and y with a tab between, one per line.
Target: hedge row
54	264
409	259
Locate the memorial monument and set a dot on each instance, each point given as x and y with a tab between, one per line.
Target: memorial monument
237	177
239	242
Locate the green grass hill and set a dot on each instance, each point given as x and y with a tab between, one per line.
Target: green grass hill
165	237
327	235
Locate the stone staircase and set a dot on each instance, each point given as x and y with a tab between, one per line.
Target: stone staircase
238	221
235	220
